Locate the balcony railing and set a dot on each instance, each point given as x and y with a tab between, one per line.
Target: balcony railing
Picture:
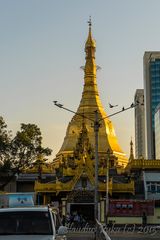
143	164
124	187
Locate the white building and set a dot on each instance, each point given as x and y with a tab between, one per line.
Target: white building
139	124
157	131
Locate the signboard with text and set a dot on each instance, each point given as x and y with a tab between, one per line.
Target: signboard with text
131	207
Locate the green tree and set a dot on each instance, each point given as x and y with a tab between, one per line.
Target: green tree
26	146
24	149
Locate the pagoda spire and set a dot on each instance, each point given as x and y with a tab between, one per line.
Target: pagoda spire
89	103
131	151
90	48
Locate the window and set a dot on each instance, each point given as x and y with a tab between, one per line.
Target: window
158	188
153	188
25	222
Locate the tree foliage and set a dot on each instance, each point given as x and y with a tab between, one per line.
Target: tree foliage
5	140
27	145
22	150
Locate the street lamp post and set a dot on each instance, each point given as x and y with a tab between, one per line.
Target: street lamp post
96	130
107	186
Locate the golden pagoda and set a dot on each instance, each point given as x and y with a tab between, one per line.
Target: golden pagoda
74	186
90	102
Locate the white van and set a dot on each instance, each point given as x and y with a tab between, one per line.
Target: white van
29	223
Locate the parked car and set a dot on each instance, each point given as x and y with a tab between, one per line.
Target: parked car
30	223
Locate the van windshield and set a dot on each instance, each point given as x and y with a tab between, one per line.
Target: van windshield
25	222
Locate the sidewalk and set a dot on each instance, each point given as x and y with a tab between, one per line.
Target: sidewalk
113	236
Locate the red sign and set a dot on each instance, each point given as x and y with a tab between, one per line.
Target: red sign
131	207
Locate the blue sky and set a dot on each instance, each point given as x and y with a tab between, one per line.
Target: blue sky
42	49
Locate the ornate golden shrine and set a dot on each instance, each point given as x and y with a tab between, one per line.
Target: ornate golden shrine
75	161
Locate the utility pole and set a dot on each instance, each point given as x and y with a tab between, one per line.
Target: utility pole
107	186
96	130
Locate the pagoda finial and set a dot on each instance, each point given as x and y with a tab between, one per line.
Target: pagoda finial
89	22
90	41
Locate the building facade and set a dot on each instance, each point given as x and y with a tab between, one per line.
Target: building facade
139	124
151	63
157	131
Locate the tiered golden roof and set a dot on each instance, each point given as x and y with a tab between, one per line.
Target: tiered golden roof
75	162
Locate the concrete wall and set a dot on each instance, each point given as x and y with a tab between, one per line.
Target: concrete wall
154	219
125	220
137	220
